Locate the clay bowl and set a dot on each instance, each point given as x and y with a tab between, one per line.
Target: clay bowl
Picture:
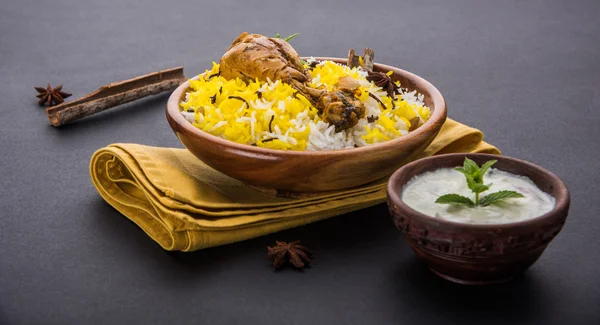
305	171
478	254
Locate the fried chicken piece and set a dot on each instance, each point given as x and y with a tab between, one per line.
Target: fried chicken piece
254	56
341	109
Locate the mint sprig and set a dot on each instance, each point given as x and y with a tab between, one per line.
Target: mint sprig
474	175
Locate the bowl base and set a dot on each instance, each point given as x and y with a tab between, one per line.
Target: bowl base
470	282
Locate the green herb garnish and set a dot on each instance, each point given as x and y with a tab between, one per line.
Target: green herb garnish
287	39
474	175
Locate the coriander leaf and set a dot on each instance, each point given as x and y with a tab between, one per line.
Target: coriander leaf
304	62
455	199
289	38
499	196
487	166
277	36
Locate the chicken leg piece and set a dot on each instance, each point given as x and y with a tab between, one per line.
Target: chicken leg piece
254	56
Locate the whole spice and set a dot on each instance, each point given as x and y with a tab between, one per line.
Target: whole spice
384	81
214	75
377	99
372	118
353	60
379	78
414	123
366	61
49	96
239	98
271	123
298	255
115	94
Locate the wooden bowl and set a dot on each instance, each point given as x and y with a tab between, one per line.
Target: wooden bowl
478	254
308	171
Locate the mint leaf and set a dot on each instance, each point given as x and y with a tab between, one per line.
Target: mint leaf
478	188
455	199
477	176
475	186
462	170
289	38
470	166
499	196
487	166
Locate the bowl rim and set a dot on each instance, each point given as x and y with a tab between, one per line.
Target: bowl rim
562	199
439	114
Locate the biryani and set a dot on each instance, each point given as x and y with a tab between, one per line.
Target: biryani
326	106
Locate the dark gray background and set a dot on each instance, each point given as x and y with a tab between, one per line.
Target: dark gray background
527	73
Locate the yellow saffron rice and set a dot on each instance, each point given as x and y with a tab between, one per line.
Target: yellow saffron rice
274	115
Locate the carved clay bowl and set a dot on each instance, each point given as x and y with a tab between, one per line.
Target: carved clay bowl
478	254
306	171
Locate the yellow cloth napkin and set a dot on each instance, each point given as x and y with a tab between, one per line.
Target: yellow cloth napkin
185	205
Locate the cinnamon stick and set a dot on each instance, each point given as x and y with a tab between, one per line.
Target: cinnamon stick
115	94
352	59
368	58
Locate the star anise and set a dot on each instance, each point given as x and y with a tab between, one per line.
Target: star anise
49	96
298	255
384	81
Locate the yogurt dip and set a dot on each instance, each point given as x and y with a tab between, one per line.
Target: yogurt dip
422	190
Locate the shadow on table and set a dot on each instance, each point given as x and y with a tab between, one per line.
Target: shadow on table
342	235
337	235
112	226
517	300
333	240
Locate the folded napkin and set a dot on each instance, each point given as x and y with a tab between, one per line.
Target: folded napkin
185	205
